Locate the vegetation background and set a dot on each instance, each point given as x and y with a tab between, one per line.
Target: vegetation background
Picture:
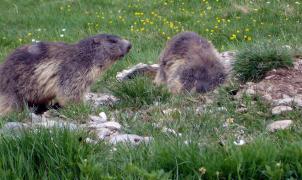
198	153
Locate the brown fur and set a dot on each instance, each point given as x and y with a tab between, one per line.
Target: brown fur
189	63
39	73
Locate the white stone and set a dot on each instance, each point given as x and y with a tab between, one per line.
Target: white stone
102	133
279	125
129	138
90	141
298	101
97	119
103	116
286	101
56	124
14	125
137	69
35	118
100	99
280	109
169	130
240	142
109	125
250	91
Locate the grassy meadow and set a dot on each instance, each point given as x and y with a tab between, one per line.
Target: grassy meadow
206	148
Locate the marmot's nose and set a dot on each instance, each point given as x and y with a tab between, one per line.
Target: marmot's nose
127	45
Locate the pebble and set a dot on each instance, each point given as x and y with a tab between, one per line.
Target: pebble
279	125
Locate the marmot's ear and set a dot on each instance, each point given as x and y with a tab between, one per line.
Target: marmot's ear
96	40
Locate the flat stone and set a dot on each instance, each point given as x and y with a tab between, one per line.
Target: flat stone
14	128
35	118
279	125
281	109
286	102
100	99
298	101
112	125
97	119
129	138
56	124
137	70
102	133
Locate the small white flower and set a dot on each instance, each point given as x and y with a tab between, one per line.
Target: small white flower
39	29
33	40
63	29
268	2
61	35
297	2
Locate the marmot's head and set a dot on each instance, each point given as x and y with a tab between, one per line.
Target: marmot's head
106	48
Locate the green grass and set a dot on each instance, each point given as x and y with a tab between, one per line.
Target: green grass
138	92
61	154
255	60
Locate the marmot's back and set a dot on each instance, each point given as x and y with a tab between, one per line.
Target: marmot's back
190	63
41	72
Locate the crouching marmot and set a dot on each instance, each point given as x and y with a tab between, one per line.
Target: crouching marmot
190	63
39	73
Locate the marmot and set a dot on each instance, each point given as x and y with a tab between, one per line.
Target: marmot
190	63
41	72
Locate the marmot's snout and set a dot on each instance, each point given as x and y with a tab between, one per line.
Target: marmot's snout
126	46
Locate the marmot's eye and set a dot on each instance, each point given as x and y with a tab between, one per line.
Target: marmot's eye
112	41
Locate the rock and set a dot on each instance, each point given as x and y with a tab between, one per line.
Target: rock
129	138
112	125
90	141
35	118
169	130
13	128
137	70
97	119
298	101
241	110
56	124
240	142
100	99
200	110
279	125
280	109
250	92
170	111
286	101
103	115
102	133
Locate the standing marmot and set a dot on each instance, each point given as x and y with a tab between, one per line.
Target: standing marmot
190	63
38	73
